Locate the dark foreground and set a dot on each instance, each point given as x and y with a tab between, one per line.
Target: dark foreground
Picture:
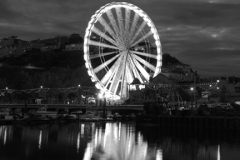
115	141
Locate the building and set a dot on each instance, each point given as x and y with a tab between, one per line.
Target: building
12	46
74	46
178	71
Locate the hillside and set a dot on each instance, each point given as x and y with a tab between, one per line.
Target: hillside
49	69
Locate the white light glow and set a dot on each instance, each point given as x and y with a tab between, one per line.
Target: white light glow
78	142
5	136
40	140
159	154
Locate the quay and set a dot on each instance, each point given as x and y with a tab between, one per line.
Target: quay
217	123
83	107
178	122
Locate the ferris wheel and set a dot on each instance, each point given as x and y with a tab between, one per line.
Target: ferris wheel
121	43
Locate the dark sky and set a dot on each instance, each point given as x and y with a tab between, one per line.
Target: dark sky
202	33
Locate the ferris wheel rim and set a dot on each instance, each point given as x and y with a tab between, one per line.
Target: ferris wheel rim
96	17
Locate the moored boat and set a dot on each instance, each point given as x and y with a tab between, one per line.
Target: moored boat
47	112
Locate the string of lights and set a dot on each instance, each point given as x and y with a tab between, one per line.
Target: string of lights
53	90
203	86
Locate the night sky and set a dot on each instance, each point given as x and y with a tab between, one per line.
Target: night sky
202	33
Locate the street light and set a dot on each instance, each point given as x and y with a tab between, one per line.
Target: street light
192	89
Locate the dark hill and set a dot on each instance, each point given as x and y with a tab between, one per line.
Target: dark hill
56	69
168	59
61	59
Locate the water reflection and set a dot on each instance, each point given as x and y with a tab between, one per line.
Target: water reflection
113	141
40	140
118	142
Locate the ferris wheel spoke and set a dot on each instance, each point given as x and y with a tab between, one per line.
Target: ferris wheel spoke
120	20
115	27
145	54
142	38
138	31
108	76
134	69
95	43
135	19
101	55
130	76
144	62
127	20
142	70
101	34
100	67
109	30
113	22
118	75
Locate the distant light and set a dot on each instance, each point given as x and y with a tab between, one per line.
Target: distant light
6	88
210	85
79	85
218	81
41	86
100	95
191	88
217	87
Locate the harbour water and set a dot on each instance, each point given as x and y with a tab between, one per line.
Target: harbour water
114	141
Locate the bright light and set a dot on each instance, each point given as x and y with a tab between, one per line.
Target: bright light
210	85
100	95
141	87
79	85
41	86
6	88
191	88
218	81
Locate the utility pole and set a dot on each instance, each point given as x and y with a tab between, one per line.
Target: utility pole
195	88
104	105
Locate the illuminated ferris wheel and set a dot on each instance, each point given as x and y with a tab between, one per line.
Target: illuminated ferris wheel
121	43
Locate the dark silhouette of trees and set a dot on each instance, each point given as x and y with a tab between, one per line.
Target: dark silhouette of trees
168	59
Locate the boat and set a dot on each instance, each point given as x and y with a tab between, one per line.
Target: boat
89	116
6	116
47	112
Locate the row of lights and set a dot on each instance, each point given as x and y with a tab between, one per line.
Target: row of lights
192	88
42	87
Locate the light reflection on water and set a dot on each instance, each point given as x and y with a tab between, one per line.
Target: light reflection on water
110	141
118	142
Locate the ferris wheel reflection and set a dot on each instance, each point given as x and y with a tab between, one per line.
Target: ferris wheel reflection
119	142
